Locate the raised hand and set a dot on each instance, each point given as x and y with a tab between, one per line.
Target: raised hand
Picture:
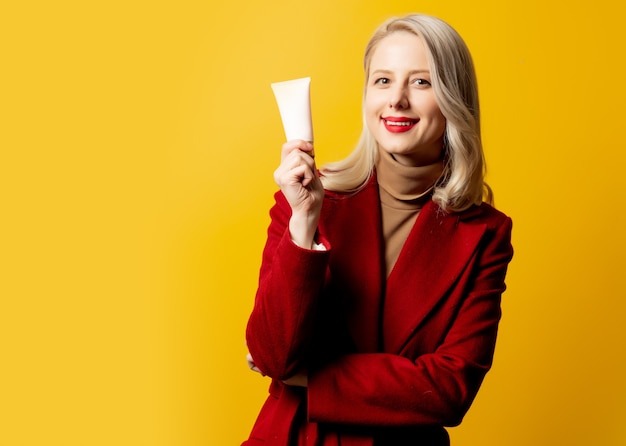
299	181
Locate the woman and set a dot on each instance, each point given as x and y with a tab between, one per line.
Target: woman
379	292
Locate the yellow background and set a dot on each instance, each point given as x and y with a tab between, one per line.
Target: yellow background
138	141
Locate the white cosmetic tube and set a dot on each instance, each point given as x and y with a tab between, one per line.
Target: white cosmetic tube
294	103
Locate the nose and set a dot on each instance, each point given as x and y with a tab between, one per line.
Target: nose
399	98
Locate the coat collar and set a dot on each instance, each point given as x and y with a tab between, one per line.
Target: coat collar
436	251
352	225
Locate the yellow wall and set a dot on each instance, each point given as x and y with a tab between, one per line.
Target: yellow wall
138	141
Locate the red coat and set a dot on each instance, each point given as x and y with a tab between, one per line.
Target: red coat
388	360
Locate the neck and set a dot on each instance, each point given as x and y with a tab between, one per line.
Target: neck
406	183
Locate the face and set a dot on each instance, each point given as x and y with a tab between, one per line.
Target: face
400	107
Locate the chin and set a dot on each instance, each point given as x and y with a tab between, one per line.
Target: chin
401	151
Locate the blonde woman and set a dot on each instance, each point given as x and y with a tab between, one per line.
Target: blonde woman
379	293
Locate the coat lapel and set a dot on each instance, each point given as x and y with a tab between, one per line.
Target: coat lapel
437	249
352	225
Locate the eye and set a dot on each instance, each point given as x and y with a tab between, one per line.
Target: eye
422	82
381	81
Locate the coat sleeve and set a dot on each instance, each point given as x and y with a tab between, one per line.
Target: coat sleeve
290	279
382	389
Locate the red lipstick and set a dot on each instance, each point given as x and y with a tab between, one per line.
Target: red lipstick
398	124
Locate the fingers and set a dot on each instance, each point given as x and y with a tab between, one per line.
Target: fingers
252	365
300	183
297	145
296	167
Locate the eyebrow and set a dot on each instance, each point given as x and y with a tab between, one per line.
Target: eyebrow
412	72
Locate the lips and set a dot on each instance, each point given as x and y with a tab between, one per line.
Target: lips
398	124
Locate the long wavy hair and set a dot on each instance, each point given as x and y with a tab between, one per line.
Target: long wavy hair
454	84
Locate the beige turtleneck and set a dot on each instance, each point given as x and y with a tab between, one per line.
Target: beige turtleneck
403	191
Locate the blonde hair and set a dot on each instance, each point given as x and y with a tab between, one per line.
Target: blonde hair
456	91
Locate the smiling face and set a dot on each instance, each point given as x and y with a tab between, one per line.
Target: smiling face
400	107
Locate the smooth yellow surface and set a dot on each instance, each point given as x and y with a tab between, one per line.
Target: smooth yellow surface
137	145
